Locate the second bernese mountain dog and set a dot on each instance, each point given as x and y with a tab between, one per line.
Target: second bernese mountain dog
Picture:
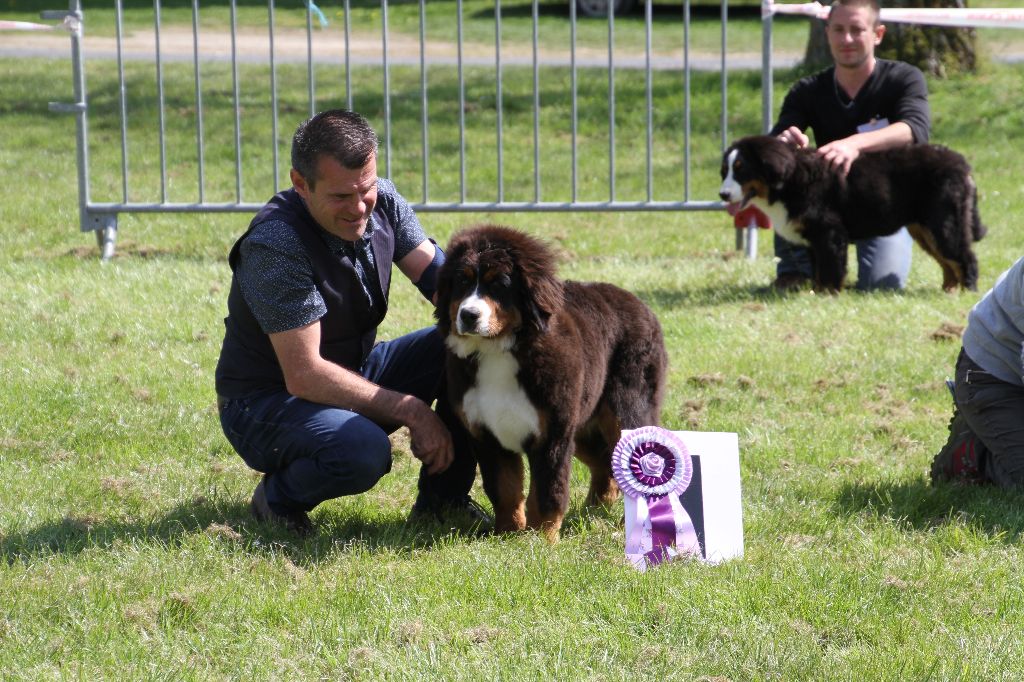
545	367
927	188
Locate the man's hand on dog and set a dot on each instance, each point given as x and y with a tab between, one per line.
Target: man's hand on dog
839	154
794	136
431	442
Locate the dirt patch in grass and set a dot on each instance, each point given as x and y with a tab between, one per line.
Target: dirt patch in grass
115	485
948	331
705	380
223	530
482	634
693	414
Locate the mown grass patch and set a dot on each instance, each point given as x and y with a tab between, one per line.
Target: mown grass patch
127	549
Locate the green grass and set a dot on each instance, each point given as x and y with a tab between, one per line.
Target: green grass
127	549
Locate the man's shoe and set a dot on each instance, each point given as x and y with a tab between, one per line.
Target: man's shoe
429	508
791	281
296	521
963	457
471	509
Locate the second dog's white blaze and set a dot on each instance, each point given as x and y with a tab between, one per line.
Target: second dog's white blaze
729	184
776	212
496	400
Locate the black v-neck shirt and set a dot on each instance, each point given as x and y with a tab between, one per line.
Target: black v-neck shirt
895	91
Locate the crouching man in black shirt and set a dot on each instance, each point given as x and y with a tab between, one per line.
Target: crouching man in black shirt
859	104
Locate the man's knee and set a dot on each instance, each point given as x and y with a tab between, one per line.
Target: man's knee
892	281
1006	472
884	262
359	460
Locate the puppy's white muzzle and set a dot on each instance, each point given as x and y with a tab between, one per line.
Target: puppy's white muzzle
474	316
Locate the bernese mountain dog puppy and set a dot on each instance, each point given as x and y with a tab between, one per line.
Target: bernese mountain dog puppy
928	188
545	367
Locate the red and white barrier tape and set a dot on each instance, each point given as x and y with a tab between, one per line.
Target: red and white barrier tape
70	23
24	26
953	16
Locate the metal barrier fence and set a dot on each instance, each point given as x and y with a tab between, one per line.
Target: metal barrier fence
539	169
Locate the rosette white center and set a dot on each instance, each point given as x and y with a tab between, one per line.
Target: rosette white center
651	462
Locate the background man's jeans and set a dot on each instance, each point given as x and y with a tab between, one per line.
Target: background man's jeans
316	452
882	262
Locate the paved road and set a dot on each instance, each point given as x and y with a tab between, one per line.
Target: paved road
328	48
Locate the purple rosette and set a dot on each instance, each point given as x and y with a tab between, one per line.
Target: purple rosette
653	468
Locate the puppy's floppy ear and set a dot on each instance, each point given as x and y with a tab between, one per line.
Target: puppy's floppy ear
542	292
779	161
445	276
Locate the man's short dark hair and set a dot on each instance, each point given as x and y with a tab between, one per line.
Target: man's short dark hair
870	4
339	133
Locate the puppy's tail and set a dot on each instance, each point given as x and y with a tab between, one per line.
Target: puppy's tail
978	229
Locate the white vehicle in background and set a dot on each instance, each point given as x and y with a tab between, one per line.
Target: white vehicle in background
599	8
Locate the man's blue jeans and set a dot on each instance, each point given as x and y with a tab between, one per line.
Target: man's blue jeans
314	452
882	262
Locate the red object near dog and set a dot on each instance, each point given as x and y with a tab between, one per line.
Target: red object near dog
748	217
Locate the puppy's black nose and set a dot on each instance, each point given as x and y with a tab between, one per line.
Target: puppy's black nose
469	316
725	196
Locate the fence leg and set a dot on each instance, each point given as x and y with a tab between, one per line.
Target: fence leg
105	227
751	246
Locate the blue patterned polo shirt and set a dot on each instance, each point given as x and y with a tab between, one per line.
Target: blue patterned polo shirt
276	277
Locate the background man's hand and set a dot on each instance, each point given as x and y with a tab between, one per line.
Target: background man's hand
794	136
840	155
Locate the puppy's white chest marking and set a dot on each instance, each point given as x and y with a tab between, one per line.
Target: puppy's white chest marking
498	402
780	222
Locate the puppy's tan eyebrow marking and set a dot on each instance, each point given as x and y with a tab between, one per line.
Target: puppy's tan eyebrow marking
490	275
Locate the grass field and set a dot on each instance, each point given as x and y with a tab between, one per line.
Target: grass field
128	552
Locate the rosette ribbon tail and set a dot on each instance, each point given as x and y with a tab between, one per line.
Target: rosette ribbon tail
658	529
672	531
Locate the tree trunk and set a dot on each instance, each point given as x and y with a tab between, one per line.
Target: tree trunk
936	51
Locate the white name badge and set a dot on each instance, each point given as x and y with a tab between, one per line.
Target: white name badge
873	124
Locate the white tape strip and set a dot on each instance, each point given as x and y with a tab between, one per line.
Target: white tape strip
814	10
956	17
24	26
